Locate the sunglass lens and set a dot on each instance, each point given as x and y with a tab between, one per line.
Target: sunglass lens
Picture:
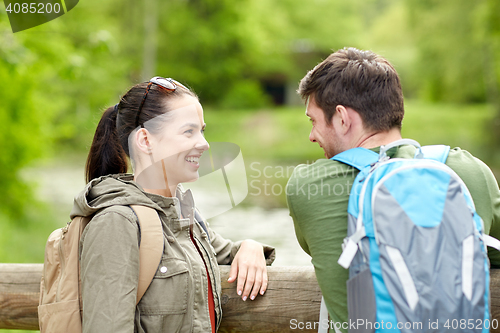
165	83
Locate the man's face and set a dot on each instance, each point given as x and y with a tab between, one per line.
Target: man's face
322	133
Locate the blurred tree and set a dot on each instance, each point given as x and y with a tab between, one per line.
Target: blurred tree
387	32
488	19
150	39
48	80
57	78
213	45
21	137
456	43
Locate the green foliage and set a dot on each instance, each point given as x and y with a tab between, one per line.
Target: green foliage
27	236
277	138
56	79
455	50
443	50
389	34
244	95
451	124
280	134
48	93
21	113
212	45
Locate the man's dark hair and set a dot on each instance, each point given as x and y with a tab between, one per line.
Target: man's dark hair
361	80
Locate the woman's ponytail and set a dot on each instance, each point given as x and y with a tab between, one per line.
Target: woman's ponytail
106	155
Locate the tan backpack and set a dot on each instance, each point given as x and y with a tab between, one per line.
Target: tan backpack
60	308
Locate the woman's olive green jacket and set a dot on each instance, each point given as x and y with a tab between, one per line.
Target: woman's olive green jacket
177	298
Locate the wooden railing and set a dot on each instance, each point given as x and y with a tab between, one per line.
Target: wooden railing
292	299
292	293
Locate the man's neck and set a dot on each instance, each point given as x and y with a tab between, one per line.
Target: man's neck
380	138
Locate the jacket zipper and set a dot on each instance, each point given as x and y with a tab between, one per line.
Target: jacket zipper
214	283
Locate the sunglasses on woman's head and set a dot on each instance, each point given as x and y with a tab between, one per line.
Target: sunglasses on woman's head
165	83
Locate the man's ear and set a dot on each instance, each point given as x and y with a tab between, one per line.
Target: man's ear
342	119
143	140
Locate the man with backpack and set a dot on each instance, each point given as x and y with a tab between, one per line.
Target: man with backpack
354	99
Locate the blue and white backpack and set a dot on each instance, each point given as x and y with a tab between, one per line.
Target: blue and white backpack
416	248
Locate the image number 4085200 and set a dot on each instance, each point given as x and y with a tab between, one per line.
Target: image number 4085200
25	14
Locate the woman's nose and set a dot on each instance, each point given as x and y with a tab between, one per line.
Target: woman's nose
202	144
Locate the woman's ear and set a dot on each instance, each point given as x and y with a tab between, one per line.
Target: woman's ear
143	141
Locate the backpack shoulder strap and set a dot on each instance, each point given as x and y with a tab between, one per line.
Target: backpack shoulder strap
82	223
201	222
358	158
151	247
436	152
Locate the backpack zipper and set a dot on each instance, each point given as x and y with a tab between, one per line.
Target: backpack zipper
61	258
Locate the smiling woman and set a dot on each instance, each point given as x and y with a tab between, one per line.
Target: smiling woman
171	157
159	126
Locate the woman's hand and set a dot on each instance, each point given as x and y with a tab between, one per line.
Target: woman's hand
249	265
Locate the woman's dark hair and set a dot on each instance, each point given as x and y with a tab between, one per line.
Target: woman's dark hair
109	150
361	80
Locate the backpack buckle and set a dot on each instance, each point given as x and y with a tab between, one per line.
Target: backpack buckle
350	248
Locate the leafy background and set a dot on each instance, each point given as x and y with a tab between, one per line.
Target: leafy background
57	78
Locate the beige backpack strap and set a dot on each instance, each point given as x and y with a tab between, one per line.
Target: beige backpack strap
82	221
151	247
